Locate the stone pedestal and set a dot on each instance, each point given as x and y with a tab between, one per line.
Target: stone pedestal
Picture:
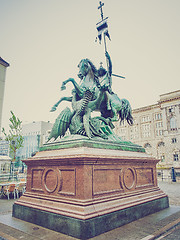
86	190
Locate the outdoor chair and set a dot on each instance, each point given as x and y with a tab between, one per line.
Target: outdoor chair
22	180
11	189
20	189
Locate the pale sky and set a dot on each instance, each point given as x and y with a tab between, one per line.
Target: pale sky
44	40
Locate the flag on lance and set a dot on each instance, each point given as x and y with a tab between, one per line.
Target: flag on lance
102	27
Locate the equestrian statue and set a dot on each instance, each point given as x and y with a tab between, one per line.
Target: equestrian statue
92	93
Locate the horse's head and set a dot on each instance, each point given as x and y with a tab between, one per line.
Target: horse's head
87	67
84	68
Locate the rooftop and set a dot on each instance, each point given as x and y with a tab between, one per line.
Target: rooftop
3	62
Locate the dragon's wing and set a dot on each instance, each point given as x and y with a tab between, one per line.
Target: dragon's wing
61	124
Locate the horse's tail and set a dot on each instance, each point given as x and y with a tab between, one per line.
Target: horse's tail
125	112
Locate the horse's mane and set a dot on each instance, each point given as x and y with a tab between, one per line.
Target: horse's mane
95	71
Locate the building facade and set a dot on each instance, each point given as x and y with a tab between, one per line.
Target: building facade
33	134
4	148
157	129
5	162
3	66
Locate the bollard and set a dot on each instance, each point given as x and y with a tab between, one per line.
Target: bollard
173	174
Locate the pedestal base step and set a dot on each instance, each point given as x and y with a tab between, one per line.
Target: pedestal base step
85	229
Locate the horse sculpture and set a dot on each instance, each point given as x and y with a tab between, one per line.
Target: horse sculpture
88	96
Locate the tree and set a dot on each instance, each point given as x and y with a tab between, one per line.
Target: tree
14	136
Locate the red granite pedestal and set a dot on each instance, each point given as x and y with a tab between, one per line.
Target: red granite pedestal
85	191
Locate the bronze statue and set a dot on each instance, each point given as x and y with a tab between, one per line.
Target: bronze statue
93	93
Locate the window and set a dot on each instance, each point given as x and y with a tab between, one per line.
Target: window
161	144
174	140
159	124
159	132
162	158
173	123
147	145
145	119
176	157
122	131
171	110
158	116
146	134
134	136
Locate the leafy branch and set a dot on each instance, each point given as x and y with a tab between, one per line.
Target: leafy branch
14	136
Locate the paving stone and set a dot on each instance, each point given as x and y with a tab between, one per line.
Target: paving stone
13	229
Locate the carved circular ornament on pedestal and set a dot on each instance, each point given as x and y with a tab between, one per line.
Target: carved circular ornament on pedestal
129	178
51	180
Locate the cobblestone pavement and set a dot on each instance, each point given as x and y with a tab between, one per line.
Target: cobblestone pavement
155	226
174	234
172	190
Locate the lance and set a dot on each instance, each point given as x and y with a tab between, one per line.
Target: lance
102	25
115	75
102	28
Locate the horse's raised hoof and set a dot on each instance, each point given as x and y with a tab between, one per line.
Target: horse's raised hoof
53	109
63	88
